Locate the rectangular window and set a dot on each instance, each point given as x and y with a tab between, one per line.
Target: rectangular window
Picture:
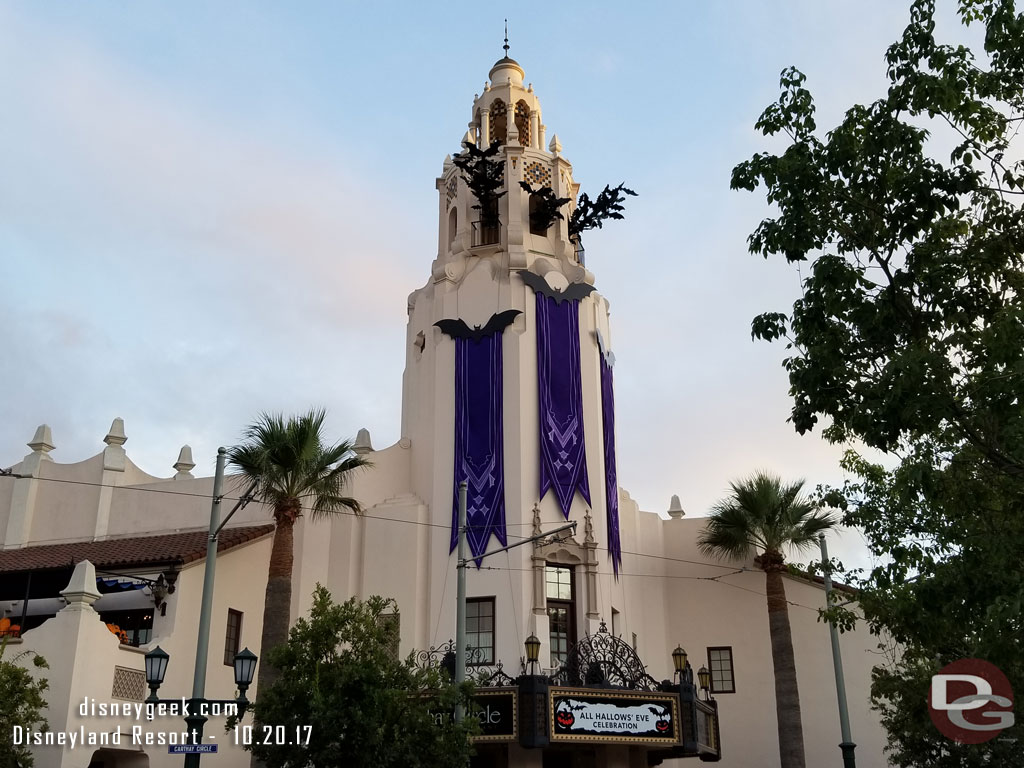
560	589
559	582
480	630
133	627
615	623
233	636
720	664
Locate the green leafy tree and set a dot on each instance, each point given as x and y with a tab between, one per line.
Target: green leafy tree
365	706
293	470
761	519
21	704
909	338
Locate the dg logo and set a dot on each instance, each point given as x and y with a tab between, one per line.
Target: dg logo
971	701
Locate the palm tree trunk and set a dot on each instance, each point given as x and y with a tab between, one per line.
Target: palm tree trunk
277	604
787	697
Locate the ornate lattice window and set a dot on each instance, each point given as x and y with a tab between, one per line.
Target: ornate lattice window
499	121
391	623
523	123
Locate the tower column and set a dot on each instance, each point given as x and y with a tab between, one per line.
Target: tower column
535	141
485	128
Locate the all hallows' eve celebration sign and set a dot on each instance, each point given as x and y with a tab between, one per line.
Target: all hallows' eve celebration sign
580	714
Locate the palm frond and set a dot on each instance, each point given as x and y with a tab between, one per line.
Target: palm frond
762	514
288	461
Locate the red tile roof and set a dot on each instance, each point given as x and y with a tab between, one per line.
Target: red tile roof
177	548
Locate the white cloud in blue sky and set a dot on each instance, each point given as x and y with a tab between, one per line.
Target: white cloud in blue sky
212	209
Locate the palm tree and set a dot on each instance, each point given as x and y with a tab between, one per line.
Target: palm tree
763	517
291	469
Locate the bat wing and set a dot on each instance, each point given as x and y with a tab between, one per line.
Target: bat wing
572	292
577	291
498	323
536	282
607	354
455	328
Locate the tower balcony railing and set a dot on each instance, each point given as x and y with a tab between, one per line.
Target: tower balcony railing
486	233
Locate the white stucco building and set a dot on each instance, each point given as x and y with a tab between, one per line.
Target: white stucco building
134	527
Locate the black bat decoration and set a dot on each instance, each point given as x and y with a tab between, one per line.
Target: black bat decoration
458	329
572	292
607	354
574	707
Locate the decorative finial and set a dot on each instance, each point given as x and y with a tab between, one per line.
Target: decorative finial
116	434
42	441
675	509
506	39
362	444
184	465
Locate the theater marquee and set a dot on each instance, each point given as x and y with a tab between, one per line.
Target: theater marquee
619	717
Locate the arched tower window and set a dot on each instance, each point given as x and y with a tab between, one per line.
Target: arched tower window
453	226
535	228
523	123
499	121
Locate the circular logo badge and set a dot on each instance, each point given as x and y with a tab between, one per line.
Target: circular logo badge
970	701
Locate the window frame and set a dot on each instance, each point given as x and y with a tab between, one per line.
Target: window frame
569	604
731	667
229	655
494	632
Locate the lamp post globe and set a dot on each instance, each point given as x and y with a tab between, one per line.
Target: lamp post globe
532	649
704	677
245	668
156	668
679	659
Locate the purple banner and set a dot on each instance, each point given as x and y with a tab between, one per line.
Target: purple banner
611	482
479	456
563	455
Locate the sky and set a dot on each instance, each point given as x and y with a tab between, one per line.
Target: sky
209	210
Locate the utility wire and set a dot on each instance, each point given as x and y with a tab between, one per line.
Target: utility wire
9	473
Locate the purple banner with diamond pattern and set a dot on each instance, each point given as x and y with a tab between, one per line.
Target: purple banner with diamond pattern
563	455
611	482
479	456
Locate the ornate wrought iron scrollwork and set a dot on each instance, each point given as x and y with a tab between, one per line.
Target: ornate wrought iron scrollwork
435	655
444	656
492	677
603	660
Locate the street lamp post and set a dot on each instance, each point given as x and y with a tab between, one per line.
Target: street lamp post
245	661
847	747
156	668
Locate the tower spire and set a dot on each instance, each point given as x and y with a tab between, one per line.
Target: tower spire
505	46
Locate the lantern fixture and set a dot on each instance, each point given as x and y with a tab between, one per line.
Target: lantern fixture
704	678
156	668
679	660
245	668
532	650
